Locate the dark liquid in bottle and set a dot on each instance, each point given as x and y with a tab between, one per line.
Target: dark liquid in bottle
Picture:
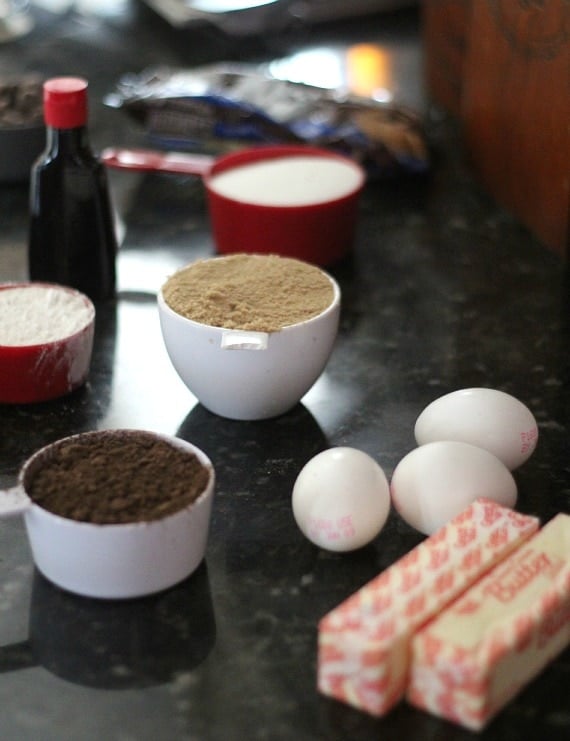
72	235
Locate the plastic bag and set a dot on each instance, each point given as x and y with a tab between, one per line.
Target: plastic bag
219	108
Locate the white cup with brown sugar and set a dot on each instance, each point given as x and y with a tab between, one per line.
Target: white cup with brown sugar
249	334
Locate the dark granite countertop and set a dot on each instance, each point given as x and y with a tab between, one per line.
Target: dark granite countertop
444	290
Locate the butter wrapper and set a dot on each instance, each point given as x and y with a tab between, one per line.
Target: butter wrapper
476	656
364	643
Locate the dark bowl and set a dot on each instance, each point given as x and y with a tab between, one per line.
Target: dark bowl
22	130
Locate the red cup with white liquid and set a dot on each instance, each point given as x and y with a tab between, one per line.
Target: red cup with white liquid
289	200
292	201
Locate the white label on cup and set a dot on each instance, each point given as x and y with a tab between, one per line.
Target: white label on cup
237	340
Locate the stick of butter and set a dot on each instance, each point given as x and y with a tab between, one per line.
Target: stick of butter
474	657
364	643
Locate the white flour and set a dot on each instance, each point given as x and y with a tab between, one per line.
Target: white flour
31	315
288	181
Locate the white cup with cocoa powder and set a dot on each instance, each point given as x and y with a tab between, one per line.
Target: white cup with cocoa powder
115	514
249	334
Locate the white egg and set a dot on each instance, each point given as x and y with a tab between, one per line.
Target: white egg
435	482
488	418
341	499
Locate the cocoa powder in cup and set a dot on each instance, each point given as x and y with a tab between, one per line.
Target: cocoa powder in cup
121	477
258	293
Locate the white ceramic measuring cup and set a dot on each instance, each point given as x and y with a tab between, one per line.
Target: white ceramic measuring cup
112	560
247	375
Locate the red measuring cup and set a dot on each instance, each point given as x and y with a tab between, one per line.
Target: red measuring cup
306	207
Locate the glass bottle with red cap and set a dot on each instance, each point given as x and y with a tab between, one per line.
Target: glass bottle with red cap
72	237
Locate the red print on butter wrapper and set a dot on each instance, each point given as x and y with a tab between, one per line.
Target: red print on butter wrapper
501	632
370	665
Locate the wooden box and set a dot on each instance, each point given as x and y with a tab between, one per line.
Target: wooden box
514	103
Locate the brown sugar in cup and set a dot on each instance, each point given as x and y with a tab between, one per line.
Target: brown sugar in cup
258	293
115	513
249	334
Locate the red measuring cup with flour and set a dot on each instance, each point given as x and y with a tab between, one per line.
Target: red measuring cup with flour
46	341
289	200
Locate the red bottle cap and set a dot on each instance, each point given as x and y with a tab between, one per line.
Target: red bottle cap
65	102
